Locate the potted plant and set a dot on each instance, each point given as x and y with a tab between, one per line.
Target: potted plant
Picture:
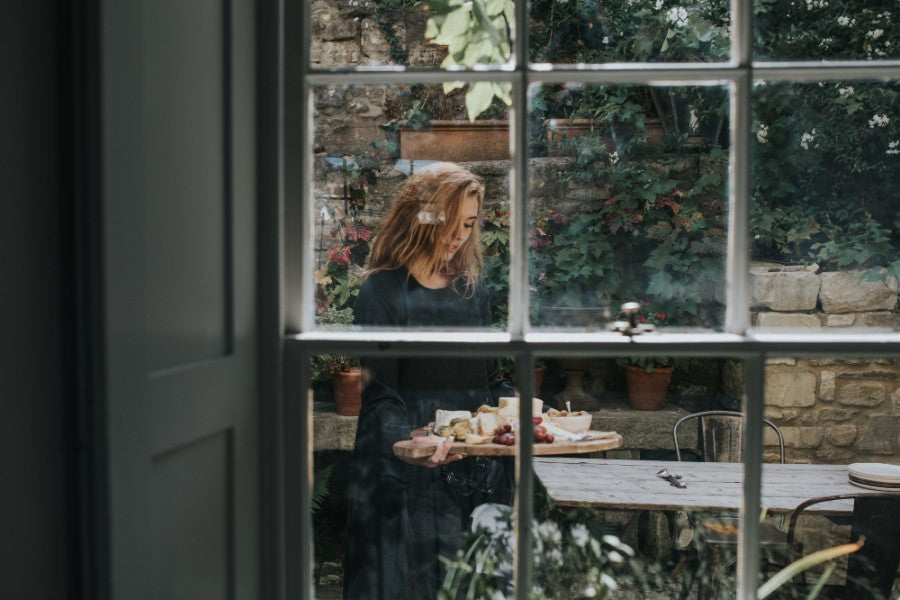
346	381
342	370
647	380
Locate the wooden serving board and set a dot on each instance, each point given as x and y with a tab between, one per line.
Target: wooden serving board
602	440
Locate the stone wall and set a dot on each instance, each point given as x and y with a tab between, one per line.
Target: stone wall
830	410
799	297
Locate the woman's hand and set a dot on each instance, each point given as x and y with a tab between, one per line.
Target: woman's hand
441	454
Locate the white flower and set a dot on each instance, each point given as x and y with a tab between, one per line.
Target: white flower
806	138
811	4
659	4
893	147
550	532
875	33
762	133
605	39
608	581
614	158
845	91
580	535
589	592
843	21
677	16
615	556
555	556
879	121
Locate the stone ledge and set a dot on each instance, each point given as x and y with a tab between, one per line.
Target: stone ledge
641	430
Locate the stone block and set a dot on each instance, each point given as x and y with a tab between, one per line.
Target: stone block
829	454
645	430
774	320
826	386
657	542
328	24
880	435
848	291
329	97
802	437
335	54
373	43
835	414
332	431
783	360
861	394
790	388
840	435
840	320
869	375
878	320
783	290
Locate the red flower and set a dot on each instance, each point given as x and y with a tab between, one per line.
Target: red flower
661	316
358	231
339	255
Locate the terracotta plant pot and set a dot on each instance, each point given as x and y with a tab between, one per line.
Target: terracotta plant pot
647	391
347	392
457	141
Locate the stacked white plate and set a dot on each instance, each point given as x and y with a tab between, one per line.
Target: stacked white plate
883	477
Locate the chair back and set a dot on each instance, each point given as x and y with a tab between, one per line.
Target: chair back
721	435
876	516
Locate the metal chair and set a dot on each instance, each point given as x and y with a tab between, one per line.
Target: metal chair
872	569
721	439
716	534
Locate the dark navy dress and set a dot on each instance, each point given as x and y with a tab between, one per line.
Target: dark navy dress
402	516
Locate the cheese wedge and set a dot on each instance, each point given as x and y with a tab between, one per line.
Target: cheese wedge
509	406
560	434
444	417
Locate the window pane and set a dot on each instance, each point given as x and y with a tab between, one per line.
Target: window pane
628	203
838	417
824	206
826	29
410	33
379	172
566	32
582	499
382	523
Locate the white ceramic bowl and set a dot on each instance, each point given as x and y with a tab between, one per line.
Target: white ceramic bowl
573	424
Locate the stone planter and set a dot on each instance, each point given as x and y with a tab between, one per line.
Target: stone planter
347	387
456	141
647	391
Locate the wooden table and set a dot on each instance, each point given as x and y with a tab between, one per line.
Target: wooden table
633	484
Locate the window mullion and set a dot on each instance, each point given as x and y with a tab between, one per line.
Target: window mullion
748	548
518	298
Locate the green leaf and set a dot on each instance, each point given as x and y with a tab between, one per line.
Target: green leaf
478	98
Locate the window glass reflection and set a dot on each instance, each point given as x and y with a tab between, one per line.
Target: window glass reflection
394	496
628	203
824	206
398	191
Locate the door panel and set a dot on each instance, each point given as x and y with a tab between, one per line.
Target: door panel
179	178
191	520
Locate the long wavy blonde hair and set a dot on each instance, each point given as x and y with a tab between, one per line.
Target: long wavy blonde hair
422	221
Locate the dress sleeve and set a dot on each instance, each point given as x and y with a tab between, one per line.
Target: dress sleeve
499	386
383	418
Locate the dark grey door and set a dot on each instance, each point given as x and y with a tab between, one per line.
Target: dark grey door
179	180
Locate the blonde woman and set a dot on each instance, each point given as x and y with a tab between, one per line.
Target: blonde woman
423	272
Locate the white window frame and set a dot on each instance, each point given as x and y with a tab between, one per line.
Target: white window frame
738	340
